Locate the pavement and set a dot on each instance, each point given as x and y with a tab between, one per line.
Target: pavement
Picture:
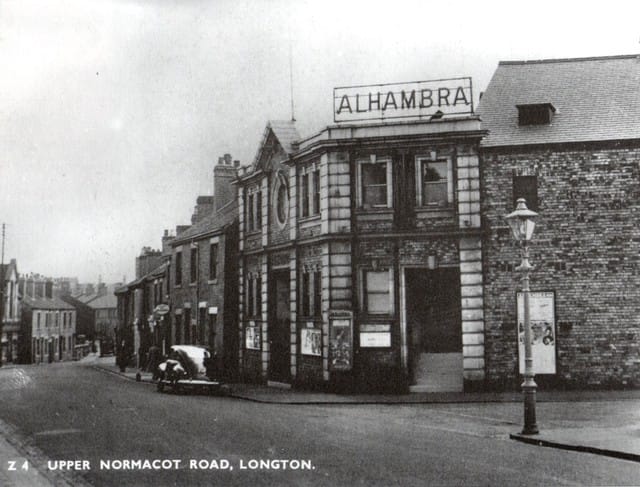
598	422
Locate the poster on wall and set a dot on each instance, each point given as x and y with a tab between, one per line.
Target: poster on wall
543	331
252	337
311	341
340	341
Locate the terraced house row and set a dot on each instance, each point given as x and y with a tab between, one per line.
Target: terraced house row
374	254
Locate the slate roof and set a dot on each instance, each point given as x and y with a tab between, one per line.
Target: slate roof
211	223
87	298
286	133
46	303
287	136
596	99
106	301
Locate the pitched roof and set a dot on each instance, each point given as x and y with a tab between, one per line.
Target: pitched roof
106	301
210	224
46	303
286	135
596	99
87	298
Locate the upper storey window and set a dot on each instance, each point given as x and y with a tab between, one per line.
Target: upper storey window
435	182
253	209
310	192
375	182
535	114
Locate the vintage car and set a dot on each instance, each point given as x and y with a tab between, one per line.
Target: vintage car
190	368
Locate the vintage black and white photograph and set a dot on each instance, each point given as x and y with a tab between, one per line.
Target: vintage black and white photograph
319	243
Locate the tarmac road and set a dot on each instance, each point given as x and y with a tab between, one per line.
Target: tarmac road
73	412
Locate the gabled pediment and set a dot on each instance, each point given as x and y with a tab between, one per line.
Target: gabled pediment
278	143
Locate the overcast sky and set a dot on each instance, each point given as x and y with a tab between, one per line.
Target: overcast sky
113	112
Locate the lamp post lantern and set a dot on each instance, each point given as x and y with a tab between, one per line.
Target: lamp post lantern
522	223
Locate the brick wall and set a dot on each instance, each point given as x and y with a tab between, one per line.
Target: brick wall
586	248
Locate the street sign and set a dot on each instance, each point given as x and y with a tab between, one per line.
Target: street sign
161	309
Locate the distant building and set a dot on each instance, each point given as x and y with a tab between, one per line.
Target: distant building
10	311
104	315
48	324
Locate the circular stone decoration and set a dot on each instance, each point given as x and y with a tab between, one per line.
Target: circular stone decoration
281	199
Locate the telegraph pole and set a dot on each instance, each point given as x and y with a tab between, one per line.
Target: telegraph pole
2	284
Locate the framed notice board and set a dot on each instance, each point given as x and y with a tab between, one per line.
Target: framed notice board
340	340
542	316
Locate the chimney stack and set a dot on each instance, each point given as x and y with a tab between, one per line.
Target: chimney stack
223	174
48	289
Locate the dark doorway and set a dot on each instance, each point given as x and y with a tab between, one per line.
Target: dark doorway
434	328
279	326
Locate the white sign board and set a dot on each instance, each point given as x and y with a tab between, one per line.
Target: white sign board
375	339
543	331
418	99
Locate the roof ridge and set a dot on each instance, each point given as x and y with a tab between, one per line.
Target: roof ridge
565	60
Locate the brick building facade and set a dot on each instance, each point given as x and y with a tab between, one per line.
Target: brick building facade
203	276
565	135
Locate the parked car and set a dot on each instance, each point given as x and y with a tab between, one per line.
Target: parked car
190	368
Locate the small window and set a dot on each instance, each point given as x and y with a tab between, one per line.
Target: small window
435	183
250	213
249	295
258	210
306	294
304	194
535	114
258	311
316	192
317	294
377	292
311	294
178	272
374	184
254	297
526	187
193	264
213	261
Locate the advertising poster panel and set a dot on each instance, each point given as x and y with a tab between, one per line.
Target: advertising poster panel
543	331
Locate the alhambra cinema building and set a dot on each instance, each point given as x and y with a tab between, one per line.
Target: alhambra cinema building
360	262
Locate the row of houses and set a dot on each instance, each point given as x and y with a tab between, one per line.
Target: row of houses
41	321
374	254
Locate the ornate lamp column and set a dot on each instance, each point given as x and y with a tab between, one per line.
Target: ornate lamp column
522	223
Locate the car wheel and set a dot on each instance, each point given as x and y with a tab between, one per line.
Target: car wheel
160	386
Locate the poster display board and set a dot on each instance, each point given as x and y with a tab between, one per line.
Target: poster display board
543	331
252	337
311	341
340	340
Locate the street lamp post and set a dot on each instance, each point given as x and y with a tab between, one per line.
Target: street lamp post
522	223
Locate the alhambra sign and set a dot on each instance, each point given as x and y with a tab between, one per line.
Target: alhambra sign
418	99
